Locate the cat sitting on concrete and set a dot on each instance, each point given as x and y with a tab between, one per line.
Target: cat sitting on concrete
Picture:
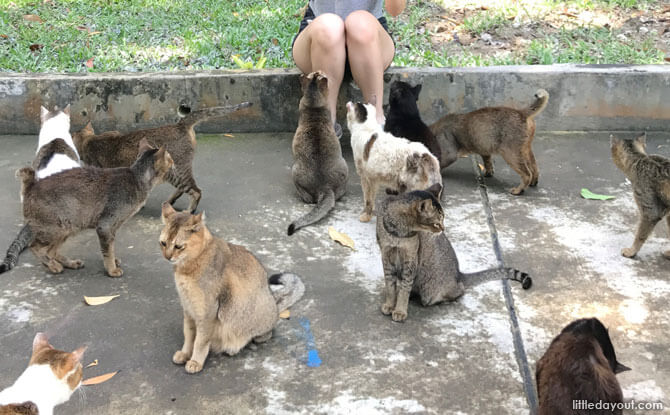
55	149
650	177
495	130
319	170
403	118
382	159
419	259
227	298
580	365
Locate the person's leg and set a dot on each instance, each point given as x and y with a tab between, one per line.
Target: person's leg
321	46
370	50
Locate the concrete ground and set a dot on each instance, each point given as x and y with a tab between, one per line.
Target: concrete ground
457	358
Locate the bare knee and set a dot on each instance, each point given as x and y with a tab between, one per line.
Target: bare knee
327	30
361	28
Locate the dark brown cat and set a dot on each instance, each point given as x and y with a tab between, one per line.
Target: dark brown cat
650	177
25	408
68	202
495	130
113	149
579	366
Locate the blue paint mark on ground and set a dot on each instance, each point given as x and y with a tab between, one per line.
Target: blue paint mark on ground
313	359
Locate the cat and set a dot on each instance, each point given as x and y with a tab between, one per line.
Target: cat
494	130
418	258
319	170
403	118
64	204
579	365
650	177
51	378
113	149
382	159
55	149
25	408
227	298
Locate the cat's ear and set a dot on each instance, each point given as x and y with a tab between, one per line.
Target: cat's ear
166	211
43	113
66	111
435	190
416	91
373	100
79	353
304	81
144	146
642	139
413	162
40	342
322	83
621	368
197	222
423	205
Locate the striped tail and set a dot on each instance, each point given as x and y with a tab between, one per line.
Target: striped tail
325	202
494	274
192	118
22	240
287	289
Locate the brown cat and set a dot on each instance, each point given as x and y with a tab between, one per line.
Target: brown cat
113	149
68	202
223	289
580	365
650	177
319	171
495	130
50	379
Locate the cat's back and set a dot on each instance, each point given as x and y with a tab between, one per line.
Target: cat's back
436	254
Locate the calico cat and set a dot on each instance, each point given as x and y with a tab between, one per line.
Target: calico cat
382	159
50	379
650	177
403	118
579	365
418	258
64	204
113	149
55	149
494	130
319	170
225	293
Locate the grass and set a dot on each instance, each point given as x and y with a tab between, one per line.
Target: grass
163	35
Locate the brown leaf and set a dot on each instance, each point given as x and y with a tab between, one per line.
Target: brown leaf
228	135
275	41
99	300
481	167
340	237
94	33
82	28
35	47
4	36
89	64
32	18
286	314
98	379
93	363
667	58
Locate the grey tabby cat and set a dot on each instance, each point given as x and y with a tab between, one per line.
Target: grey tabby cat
419	259
650	176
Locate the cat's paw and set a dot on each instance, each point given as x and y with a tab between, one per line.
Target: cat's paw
628	252
55	267
365	217
115	273
516	191
193	367
387	309
117	262
398	315
75	264
488	173
179	357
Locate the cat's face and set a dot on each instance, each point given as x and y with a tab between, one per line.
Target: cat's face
183	234
314	90
428	212
360	113
403	95
64	370
621	148
592	327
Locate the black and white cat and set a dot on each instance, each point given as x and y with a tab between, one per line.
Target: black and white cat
55	149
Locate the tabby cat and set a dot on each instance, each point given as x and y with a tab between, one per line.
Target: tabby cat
113	149
650	177
225	293
66	203
418	258
50	379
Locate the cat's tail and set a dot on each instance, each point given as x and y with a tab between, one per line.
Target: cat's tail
22	240
541	99
191	118
494	274
286	288
325	202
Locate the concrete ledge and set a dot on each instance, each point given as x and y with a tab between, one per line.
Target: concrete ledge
583	97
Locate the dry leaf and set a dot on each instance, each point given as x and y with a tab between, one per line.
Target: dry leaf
275	41
89	63
93	363
82	28
236	14
32	18
481	167
340	237
94	33
229	135
4	36
285	314
35	47
667	58
98	379
99	300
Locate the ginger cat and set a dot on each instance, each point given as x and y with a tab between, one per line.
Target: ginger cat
225	293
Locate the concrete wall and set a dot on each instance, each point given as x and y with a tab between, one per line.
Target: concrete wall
583	97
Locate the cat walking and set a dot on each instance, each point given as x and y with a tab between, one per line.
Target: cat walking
226	296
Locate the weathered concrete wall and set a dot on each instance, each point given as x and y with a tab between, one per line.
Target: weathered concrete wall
583	97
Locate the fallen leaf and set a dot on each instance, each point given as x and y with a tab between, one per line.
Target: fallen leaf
35	47
94	33
667	58
82	28
229	135
4	36
285	314
236	14
99	300
98	379
481	166
32	18
275	41
340	237
89	63
93	363
587	194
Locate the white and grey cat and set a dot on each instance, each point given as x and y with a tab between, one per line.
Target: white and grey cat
51	378
55	149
